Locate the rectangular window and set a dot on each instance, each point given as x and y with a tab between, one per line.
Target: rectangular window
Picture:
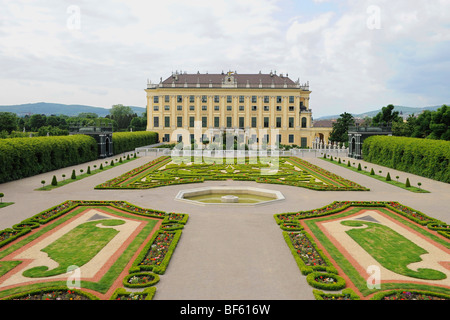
155	99
167	108
204	122
241	122
279	99
191	122
241	108
192	108
241	99
254	121
179	122
166	122
229	122
291	99
216	122
266	99
204	99
204	108
291	122
291	138
155	108
291	108
179	108
229	99
254	108
216	98
279	138
266	108
166	98
191	99
229	108
254	99
180	98
278	108
156	122
266	122
304	142
166	137
216	108
278	122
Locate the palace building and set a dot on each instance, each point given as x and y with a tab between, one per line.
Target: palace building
257	104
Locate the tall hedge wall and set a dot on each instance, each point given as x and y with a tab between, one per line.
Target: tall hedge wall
25	157
423	157
127	141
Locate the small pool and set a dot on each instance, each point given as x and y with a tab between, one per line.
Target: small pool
229	195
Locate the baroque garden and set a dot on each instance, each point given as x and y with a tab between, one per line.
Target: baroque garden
330	238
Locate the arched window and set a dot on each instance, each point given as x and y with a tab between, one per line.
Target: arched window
303	122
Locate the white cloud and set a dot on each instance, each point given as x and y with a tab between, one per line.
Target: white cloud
122	43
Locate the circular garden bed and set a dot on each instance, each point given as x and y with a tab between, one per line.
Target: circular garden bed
325	281
140	280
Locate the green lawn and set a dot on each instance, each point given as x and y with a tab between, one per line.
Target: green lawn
390	249
77	247
5	204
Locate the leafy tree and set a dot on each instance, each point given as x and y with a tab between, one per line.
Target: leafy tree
439	124
1	197
36	121
123	115
422	125
8	121
339	132
386	116
138	124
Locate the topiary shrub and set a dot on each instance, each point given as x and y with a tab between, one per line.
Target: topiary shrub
372	172
74	176
407	184
359	167
388	177
54	181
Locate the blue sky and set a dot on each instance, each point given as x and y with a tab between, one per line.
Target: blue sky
358	55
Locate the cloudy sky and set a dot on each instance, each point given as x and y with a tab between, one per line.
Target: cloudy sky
357	55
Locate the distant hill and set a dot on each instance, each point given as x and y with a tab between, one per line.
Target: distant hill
404	110
59	109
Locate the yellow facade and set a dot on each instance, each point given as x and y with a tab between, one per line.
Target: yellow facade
279	109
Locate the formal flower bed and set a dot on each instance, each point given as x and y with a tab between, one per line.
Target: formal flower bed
8	235
308	257
338	206
410	295
57	293
325	281
347	294
140	280
122	294
157	253
148	175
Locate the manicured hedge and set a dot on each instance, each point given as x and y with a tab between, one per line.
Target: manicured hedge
423	157
26	157
128	141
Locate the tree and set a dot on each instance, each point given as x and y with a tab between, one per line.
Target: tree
1	197
54	181
8	121
138	124
123	115
339	132
74	176
439	124
36	121
422	125
386	116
